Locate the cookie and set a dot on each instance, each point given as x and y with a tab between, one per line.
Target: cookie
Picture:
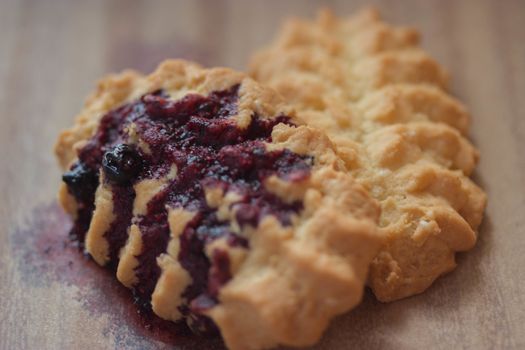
383	102
216	206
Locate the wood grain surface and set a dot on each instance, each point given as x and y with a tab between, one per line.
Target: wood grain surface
51	54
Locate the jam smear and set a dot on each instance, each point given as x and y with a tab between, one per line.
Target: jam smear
45	258
117	234
200	136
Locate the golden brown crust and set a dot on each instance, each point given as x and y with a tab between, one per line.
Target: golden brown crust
274	295
111	91
381	99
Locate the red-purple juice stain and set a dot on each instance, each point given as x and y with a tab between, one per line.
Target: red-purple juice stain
45	254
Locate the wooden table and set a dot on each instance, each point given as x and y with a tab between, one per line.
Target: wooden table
52	52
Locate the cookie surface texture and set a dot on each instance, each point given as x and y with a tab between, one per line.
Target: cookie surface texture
383	102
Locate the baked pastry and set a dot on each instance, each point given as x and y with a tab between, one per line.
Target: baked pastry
382	100
201	189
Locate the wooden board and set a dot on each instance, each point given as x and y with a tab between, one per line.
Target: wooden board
52	52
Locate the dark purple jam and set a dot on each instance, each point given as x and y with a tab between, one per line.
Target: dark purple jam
117	234
198	135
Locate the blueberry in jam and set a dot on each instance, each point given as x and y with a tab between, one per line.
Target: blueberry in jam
81	181
121	164
197	135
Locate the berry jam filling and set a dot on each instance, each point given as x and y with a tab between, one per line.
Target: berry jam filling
82	180
198	135
117	234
